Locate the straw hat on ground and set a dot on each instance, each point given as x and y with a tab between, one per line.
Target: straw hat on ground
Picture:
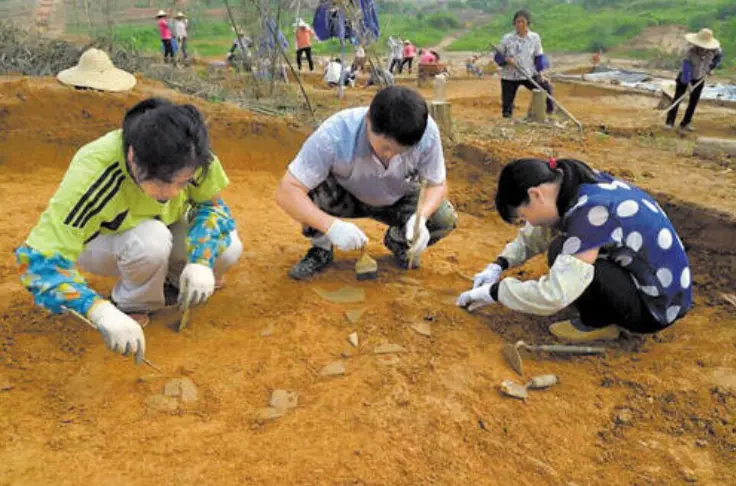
180	15
161	13
95	70
703	39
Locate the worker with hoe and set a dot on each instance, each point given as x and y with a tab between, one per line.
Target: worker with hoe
613	253
702	56
141	204
367	163
521	57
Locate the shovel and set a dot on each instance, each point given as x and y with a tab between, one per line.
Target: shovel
513	358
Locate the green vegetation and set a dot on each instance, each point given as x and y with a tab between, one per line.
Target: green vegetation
588	25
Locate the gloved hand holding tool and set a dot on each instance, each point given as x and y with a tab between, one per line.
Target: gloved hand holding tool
417	234
121	333
490	275
346	236
476	298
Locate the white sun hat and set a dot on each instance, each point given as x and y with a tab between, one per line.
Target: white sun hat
161	13
181	15
703	39
96	71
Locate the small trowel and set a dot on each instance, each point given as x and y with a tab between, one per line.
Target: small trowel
513	358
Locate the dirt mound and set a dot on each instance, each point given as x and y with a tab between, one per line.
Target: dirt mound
659	412
667	38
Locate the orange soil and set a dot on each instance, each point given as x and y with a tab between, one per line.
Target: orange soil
658	412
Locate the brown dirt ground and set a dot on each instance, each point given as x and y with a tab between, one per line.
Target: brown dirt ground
661	411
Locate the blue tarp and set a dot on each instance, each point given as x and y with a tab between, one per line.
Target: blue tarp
329	21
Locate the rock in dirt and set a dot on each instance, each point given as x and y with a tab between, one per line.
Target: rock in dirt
268	330
389	349
333	369
344	295
714	148
424	328
269	413
6	384
623	416
283	399
348	352
512	389
353	339
689	475
409	281
541	382
355	315
184	388
160	403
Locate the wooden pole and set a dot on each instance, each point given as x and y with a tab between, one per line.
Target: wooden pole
286	58
536	85
679	100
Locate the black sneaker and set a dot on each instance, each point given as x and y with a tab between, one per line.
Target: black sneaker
316	260
400	251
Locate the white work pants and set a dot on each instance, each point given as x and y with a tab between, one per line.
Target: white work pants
143	257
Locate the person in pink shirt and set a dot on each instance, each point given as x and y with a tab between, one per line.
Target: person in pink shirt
409	53
428	57
165	32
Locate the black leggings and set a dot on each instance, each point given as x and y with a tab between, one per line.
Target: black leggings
508	93
168	49
308	52
611	298
404	62
691	105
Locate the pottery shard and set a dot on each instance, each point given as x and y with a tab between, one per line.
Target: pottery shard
161	403
344	295
269	413
623	417
353	339
355	315
283	399
184	388
389	349
424	328
333	369
512	389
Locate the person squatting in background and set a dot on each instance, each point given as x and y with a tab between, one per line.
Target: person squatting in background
702	56
521	49
165	34
613	253
141	204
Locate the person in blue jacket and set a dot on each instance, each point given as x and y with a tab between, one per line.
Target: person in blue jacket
521	56
702	57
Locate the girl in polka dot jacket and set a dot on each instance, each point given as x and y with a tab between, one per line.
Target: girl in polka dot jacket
612	251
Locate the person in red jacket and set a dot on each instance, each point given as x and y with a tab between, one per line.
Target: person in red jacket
410	51
165	32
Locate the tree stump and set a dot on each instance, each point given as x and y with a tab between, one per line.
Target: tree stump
442	114
538	106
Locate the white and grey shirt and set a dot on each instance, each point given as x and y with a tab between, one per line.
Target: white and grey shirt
340	148
523	50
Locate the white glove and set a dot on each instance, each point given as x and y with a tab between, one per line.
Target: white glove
489	275
418	242
119	331
196	284
346	236
476	298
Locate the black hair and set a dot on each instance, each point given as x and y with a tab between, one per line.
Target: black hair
523	13
399	113
522	174
166	138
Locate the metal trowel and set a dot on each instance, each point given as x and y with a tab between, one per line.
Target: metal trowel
513	358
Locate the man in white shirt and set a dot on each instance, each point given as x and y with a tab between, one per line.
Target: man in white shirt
367	163
180	31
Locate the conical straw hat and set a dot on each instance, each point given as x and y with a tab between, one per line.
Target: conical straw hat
180	15
161	13
95	70
703	39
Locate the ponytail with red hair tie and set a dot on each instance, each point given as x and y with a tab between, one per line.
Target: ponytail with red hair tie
552	163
